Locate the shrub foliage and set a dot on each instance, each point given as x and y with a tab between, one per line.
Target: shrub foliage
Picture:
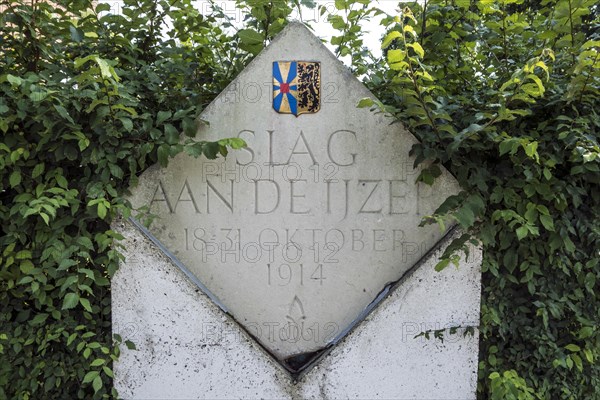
503	93
88	100
506	95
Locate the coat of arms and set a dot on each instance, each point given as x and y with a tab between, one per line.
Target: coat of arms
296	87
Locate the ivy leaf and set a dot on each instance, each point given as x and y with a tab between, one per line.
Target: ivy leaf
171	134
189	127
211	150
465	216
194	149
234	143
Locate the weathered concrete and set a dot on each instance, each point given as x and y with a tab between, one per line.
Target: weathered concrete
187	348
298	233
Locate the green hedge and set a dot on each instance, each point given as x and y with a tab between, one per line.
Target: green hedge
88	100
505	94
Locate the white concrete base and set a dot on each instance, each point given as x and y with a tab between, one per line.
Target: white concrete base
187	348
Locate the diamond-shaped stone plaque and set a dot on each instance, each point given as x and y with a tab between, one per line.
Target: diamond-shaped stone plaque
296	235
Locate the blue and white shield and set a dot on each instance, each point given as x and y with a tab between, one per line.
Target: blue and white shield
296	87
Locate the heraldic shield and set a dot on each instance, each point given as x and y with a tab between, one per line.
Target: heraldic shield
296	87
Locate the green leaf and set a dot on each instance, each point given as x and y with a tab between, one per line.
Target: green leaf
15	178
76	34
63	113
163	155
46	218
395	56
573	347
90	376
250	36
578	362
39	319
506	146
70	301
108	371
390	38
211	150
189	127
62	181
426	177
130	345
97	362
105	70
441	265
418	49
127	123
589	356
25	280
465	216
531	149
162	116
365	102
71	338
37	170
23	255
14	80
97	384
86	304
171	134
522	232
26	266
586	332
234	143
101	210
547	222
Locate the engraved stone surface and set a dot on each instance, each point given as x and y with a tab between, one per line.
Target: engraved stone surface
298	233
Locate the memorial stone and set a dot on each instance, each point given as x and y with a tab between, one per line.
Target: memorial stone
299	235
